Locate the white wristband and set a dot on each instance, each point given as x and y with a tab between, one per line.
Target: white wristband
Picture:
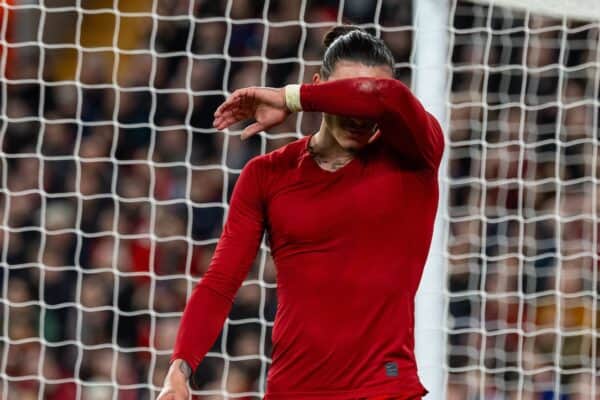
292	98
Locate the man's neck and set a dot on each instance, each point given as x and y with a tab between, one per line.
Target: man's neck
326	151
326	146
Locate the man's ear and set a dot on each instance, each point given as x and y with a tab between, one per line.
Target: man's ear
316	78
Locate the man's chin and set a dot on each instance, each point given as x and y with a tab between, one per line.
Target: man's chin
352	146
352	142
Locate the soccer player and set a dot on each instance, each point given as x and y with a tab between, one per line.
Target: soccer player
349	214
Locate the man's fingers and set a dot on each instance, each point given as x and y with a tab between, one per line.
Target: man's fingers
229	117
232	101
252	129
226	120
238	107
227	105
173	396
236	99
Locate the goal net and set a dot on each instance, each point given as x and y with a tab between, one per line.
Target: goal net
522	211
114	187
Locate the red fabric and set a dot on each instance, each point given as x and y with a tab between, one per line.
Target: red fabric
391	398
349	247
7	26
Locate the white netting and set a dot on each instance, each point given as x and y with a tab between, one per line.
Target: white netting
114	187
522	210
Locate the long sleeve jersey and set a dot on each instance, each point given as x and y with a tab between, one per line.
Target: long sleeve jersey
349	247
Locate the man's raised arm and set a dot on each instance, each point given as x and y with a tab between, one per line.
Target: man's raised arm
404	123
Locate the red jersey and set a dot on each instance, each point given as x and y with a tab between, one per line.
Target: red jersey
349	247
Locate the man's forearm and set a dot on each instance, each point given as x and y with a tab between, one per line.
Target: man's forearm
200	325
211	300
357	98
405	124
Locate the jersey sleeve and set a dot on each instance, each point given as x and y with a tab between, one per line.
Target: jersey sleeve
404	123
212	298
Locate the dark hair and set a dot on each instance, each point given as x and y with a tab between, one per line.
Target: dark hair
351	43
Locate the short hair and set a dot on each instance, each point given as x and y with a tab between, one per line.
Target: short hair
352	43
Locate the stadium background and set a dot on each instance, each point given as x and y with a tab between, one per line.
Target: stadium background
114	185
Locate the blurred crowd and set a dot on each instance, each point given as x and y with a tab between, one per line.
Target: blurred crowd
522	243
114	189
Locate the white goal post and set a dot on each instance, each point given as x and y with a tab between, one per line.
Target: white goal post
585	10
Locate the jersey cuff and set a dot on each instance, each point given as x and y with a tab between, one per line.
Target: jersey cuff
292	98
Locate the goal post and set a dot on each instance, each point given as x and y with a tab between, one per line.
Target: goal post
431	69
583	10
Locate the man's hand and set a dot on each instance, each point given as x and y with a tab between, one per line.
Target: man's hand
265	105
175	386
